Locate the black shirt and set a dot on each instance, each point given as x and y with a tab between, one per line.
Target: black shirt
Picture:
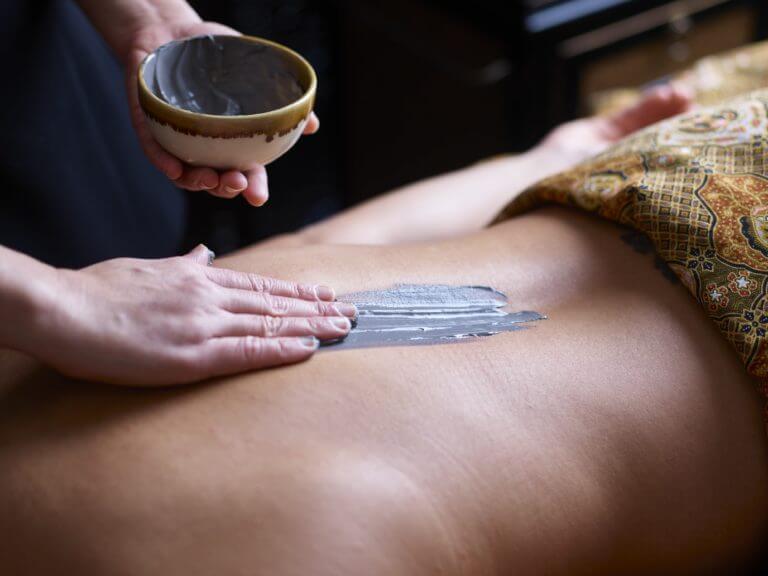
74	184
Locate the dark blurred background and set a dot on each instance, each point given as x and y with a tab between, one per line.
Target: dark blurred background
411	88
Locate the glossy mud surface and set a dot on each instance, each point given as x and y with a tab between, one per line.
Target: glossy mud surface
221	75
417	315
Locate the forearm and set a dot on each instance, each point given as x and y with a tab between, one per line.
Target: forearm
26	285
439	207
118	20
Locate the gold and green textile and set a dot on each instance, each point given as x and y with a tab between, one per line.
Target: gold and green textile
697	186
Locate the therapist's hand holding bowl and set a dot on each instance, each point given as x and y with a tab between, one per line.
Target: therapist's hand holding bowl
212	107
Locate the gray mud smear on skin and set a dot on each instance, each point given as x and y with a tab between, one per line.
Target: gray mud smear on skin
221	75
413	315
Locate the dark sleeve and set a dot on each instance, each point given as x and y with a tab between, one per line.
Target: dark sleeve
75	186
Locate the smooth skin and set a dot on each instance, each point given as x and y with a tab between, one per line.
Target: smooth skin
620	436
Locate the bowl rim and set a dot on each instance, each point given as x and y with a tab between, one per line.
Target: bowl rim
308	95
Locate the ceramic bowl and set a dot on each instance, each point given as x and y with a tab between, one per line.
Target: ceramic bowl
227	102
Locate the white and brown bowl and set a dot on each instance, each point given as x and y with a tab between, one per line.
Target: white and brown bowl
227	102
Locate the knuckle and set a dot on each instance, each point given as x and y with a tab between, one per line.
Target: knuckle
194	274
197	329
195	282
317	324
272	326
326	309
279	306
172	329
303	291
283	349
258	283
251	349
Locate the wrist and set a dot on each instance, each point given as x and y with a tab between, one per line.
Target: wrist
519	171
28	296
548	160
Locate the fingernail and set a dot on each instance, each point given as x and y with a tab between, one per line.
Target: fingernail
230	190
309	342
346	309
342	324
211	256
325	293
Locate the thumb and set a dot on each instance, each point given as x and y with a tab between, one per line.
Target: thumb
201	254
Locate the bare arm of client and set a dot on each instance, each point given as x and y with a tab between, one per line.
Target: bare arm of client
166	321
133	29
466	200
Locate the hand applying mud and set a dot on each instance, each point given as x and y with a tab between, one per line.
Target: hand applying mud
155	322
135	28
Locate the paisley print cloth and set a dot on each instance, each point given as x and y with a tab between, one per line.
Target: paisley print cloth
697	186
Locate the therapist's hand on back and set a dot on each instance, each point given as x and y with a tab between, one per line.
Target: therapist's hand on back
156	322
252	184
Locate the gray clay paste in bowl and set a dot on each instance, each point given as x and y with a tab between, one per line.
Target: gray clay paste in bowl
222	75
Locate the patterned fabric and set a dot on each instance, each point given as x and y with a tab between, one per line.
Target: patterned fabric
697	186
718	78
712	80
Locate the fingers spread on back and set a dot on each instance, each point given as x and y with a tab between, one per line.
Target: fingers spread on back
321	327
256	283
231	355
263	303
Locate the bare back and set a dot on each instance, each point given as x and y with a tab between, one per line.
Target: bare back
619	435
